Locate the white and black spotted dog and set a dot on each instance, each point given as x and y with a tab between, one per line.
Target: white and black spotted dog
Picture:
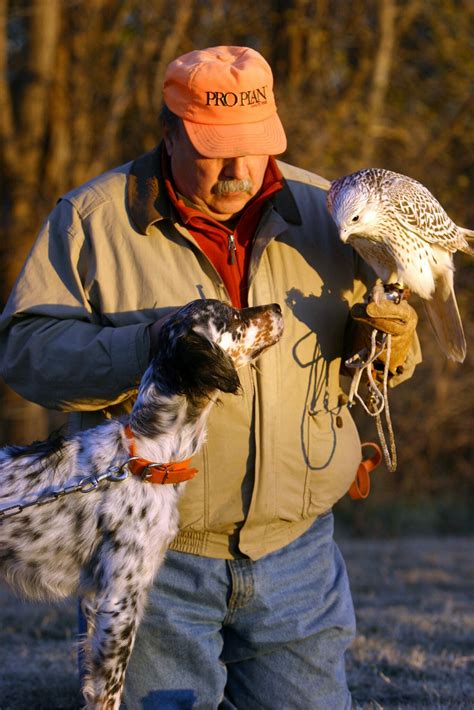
108	545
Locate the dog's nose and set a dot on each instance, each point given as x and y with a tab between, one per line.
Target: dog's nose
276	307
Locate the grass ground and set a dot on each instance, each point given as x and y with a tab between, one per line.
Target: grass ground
414	599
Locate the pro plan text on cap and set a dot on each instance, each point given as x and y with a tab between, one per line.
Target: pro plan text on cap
231	99
225	97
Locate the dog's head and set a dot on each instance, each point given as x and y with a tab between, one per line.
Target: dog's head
201	345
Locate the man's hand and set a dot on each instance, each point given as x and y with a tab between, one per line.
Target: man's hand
397	319
154	329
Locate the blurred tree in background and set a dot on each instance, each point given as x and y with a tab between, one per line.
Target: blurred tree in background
387	83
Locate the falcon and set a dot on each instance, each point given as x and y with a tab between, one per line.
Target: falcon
405	235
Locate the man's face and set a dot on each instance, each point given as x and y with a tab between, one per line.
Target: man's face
219	187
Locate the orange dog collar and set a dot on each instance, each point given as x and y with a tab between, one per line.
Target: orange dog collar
151	472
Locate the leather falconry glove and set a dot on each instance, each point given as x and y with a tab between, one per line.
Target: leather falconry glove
397	319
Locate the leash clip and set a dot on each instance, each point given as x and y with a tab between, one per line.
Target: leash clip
118	473
115	474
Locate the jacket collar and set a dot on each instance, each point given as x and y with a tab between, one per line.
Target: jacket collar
148	202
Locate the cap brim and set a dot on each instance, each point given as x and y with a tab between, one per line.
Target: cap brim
265	137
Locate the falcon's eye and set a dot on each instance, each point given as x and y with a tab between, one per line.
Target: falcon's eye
356	218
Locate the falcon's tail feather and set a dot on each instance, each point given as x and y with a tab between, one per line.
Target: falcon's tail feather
443	313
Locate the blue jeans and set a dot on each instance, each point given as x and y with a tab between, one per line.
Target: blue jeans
241	634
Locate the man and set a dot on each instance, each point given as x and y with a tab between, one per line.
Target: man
252	608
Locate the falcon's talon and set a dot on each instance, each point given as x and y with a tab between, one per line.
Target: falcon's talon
377	294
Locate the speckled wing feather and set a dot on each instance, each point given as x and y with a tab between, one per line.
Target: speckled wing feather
415	208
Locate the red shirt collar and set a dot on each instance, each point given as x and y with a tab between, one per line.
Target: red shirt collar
272	182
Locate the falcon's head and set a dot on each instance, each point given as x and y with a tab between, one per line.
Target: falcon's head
354	206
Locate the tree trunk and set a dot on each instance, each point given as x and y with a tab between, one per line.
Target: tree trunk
380	79
23	147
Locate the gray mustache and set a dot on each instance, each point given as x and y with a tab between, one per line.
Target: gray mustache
224	187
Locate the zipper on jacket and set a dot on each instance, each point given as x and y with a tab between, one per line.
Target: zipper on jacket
231	248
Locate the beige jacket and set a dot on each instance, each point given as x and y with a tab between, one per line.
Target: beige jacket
111	259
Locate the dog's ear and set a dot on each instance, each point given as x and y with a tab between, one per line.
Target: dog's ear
194	366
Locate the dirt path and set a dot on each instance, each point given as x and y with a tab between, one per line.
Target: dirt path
415	646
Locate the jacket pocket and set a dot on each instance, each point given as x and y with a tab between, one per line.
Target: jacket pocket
332	453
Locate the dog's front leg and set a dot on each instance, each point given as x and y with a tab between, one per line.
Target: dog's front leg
112	623
121	572
113	611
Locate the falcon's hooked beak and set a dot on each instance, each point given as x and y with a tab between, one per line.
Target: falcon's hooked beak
344	233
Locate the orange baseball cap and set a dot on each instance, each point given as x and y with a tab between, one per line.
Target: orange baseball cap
225	97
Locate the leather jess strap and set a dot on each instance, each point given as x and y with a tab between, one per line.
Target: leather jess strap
360	488
159	473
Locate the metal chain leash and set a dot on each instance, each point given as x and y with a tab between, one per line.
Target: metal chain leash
116	474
